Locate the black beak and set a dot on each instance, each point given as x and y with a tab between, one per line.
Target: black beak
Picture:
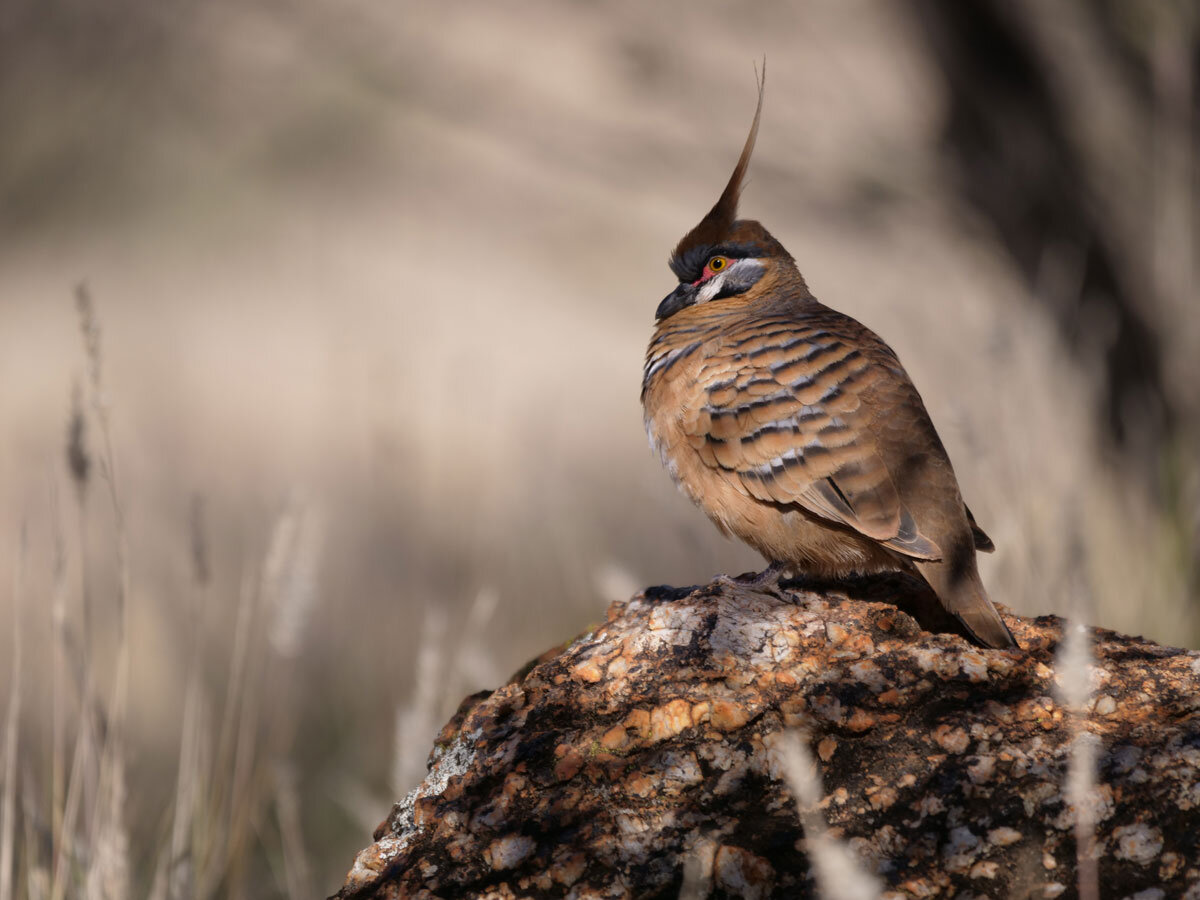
684	295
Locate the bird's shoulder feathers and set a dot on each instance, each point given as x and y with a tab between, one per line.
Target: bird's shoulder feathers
791	402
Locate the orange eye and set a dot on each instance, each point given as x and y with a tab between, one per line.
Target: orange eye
717	263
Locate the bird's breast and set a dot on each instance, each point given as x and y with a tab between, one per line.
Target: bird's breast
684	366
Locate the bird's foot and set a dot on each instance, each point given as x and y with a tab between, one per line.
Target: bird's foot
766	581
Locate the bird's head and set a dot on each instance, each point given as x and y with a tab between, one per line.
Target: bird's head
724	256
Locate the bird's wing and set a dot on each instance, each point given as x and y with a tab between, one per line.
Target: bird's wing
780	406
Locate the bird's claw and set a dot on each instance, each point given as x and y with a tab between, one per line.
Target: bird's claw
766	581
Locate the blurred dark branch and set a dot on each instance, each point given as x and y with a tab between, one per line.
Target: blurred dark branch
1049	122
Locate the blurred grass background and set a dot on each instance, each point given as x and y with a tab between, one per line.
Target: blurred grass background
371	287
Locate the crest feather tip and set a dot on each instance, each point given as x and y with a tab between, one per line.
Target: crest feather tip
719	221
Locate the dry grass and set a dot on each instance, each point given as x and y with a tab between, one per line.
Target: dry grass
1074	674
360	431
838	873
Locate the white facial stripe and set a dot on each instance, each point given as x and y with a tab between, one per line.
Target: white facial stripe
710	288
746	266
736	270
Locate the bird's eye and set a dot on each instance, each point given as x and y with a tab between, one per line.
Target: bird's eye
717	263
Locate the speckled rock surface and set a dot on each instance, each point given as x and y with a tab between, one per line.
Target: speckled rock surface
653	740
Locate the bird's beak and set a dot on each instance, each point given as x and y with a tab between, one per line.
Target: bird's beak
684	295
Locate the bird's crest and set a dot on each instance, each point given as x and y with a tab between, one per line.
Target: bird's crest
716	226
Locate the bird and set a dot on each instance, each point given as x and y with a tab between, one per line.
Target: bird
795	428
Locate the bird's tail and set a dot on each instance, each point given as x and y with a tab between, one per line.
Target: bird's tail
963	596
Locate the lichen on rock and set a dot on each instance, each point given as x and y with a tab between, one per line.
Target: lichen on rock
647	750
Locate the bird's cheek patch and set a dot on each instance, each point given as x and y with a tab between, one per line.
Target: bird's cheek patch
711	288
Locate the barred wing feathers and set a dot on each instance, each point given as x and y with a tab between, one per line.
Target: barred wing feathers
782	407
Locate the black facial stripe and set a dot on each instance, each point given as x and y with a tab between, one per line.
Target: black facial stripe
690	266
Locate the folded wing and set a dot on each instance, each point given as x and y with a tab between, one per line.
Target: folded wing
781	408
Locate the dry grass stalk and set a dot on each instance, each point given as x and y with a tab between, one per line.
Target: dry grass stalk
1074	664
12	727
175	877
58	662
89	842
243	800
292	598
471	667
837	871
442	676
290	577
36	835
296	869
79	787
416	723
108	873
274	609
223	773
178	874
65	844
698	870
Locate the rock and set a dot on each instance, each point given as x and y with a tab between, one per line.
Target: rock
649	748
